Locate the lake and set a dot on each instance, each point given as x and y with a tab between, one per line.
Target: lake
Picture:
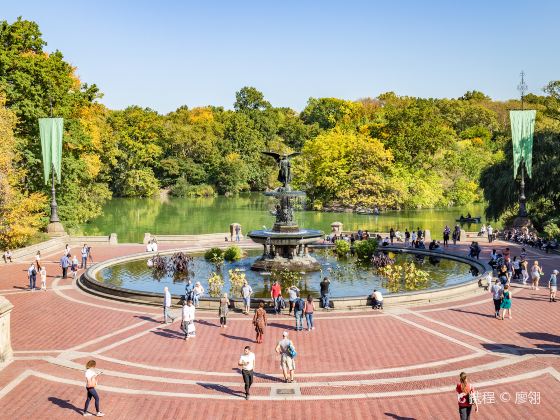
130	218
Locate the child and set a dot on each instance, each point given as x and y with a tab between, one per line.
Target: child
43	278
552	285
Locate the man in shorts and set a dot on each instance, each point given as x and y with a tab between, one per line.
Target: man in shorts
287	362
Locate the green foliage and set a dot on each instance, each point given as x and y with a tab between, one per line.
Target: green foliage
342	247
233	253
286	278
366	249
215	285
139	183
214	255
236	281
404	277
552	230
182	189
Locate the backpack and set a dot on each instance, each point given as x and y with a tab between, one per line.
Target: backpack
291	350
299	304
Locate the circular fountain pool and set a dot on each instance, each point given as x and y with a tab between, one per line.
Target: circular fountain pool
348	279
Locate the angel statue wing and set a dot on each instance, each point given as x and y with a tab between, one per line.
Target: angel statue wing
277	156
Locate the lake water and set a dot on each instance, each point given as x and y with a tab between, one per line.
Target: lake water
130	218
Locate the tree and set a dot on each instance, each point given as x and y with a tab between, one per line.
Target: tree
250	99
328	112
475	95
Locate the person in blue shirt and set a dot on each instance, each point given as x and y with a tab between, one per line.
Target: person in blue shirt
553	286
65	263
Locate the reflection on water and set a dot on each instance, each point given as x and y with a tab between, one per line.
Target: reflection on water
347	278
130	218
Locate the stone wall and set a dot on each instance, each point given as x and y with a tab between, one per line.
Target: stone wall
6	352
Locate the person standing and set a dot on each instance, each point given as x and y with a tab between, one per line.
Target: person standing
325	290
446	232
293	293
536	273
246	292
43	273
308	309
187	324
247	363
38	260
65	263
223	310
237	231
276	295
285	348
84	256
490	231
189	291
553	285
32	276
259	321
406	237
91	383
413	238
497	291
299	305
392	235
167	306
506	302
90	255
466	397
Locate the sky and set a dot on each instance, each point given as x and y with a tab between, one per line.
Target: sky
165	54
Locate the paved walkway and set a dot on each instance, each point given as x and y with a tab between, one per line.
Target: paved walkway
399	364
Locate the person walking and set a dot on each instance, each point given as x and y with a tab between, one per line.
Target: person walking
285	348
276	295
497	291
43	273
65	263
536	273
553	285
446	232
247	363
91	382
524	270
74	267
223	310
246	292
293	293
38	260
308	309
506	302
237	233
167	306
187	324
84	253
32	276
90	255
466	397
299	305
259	321
325	291
490	231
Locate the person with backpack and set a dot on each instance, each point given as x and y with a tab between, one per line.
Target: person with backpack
32	275
285	348
299	304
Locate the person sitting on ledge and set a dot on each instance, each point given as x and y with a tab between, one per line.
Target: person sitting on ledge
376	300
385	241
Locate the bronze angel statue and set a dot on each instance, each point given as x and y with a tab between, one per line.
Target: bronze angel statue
285	172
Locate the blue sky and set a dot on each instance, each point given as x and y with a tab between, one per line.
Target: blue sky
169	53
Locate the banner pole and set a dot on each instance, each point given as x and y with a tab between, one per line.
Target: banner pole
54	207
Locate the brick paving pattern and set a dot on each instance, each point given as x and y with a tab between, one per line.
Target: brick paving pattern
400	364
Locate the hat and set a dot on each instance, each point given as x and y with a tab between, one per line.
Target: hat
285	334
555	272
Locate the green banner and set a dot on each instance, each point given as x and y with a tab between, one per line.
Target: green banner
51	145
522	128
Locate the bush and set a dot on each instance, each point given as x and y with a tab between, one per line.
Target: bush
140	183
551	231
342	248
214	255
233	253
236	281
366	249
286	278
183	189
215	285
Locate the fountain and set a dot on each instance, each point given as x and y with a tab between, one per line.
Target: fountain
285	245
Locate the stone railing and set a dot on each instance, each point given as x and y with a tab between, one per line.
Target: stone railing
6	353
187	239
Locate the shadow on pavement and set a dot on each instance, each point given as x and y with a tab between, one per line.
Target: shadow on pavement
65	404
